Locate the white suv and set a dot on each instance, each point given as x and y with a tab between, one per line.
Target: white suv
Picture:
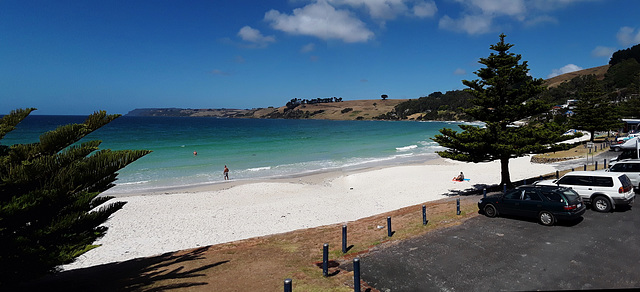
603	190
630	167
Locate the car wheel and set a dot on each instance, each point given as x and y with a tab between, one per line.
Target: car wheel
490	211
546	218
601	204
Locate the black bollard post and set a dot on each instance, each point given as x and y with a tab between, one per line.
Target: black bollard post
585	167
424	215
484	192
557	174
389	226
344	238
504	188
287	285
356	275
525	182
325	260
596	165
605	163
458	206
572	169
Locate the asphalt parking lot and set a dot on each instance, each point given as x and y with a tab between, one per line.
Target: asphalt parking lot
601	251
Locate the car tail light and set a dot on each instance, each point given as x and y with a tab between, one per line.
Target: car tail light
623	190
571	207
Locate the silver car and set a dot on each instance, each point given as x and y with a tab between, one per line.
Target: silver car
603	190
630	167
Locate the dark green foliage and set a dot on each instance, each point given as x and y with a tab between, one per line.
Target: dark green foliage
622	55
503	95
630	108
566	90
624	74
48	196
595	111
437	106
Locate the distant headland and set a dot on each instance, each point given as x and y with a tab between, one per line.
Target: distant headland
321	109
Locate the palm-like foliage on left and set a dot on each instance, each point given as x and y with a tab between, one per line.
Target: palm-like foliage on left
50	212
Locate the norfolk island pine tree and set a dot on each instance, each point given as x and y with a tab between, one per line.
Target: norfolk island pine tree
50	212
504	94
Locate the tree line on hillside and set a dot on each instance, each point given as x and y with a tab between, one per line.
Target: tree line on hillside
297	101
437	106
620	89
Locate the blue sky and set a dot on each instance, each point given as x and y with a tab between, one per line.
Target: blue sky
76	57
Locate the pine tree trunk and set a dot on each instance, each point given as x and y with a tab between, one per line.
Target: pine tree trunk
504	168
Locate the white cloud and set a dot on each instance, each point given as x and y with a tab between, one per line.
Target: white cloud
254	37
378	9
459	71
308	48
425	9
540	19
528	13
471	24
601	51
321	20
498	7
628	36
566	69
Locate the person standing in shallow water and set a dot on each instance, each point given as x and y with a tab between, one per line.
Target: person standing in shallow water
226	173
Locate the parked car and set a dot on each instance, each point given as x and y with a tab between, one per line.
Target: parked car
603	190
630	167
547	203
615	144
626	154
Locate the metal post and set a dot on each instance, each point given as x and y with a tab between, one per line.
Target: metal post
389	226
458	206
605	163
525	182
557	174
344	238
287	285
596	164
585	167
484	192
325	260
504	188
424	215
356	275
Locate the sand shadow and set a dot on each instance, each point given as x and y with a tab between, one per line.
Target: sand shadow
132	275
478	189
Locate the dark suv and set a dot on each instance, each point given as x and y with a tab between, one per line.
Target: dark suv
547	203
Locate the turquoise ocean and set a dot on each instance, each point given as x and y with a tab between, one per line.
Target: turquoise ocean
251	148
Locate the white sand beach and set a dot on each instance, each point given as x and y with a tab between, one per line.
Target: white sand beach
157	223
